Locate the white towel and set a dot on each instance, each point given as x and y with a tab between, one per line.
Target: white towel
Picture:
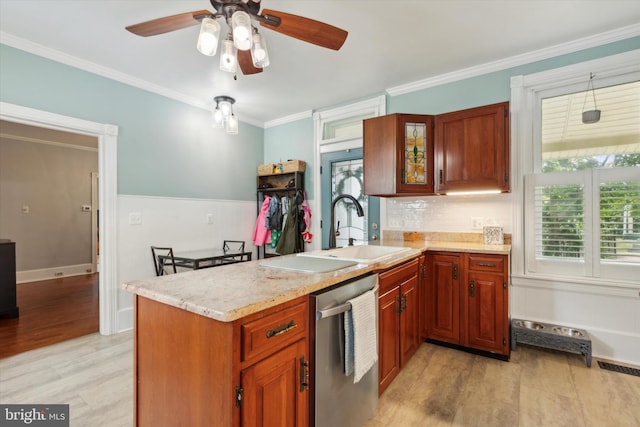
361	335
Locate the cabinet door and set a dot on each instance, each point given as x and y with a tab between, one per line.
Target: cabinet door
472	149
443	297
414	171
486	293
388	337
272	390
398	155
409	324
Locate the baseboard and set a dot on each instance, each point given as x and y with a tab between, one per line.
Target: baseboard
53	273
125	320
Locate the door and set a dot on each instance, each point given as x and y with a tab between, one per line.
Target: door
486	314
272	390
409	324
342	173
389	339
444	297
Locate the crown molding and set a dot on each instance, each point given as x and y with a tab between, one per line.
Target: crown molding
514	61
288	119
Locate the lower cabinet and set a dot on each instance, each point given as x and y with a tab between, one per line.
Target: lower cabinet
398	320
467	300
272	394
192	370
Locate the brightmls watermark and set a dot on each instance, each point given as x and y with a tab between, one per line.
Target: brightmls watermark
34	415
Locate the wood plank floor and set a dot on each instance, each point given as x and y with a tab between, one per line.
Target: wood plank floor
438	387
51	311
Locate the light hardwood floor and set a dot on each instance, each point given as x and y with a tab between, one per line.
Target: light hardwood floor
439	387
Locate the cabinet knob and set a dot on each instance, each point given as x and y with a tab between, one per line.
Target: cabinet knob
472	289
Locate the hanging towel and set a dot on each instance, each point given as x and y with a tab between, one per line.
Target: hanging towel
361	336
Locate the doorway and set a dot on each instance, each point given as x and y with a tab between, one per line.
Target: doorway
343	173
107	195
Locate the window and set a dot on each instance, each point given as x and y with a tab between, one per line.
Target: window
582	199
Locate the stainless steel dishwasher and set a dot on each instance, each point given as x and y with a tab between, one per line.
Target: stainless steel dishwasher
336	400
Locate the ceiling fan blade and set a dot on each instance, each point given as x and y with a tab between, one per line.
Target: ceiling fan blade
168	23
246	63
306	29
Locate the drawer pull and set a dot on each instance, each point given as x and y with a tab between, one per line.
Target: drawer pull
286	327
486	264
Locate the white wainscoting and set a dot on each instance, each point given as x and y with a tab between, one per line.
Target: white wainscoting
610	316
179	223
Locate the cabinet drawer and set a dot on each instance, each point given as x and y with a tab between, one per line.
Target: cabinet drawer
397	275
272	332
493	263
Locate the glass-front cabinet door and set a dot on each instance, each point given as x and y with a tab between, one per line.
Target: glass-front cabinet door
415	154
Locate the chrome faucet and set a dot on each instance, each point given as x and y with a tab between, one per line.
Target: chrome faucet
332	230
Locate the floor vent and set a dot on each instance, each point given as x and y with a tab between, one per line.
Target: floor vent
618	368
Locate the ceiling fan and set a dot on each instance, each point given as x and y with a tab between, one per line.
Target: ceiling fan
244	45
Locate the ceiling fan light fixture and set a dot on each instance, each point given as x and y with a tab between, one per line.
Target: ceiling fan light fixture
208	37
232	124
259	53
241	28
228	58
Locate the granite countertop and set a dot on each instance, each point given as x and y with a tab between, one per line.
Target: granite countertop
231	292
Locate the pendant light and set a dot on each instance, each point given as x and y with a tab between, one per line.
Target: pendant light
590	116
222	114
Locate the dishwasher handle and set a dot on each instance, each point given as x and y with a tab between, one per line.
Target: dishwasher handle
323	314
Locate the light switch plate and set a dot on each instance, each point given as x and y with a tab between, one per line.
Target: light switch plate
135	218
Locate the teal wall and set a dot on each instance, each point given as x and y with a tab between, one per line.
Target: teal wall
293	140
165	147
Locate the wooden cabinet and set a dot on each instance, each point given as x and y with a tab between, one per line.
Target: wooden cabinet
443	290
488	324
423	297
398	325
468	300
193	370
398	155
472	149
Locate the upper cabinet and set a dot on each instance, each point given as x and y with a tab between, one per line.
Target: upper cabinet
472	149
468	151
398	155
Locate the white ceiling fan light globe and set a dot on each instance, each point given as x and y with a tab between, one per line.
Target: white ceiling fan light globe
228	60
208	37
259	53
241	28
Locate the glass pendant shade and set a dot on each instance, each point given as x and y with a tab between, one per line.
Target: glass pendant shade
232	124
216	117
241	27
225	108
208	37
259	53
228	60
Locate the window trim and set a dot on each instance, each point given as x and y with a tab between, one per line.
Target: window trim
526	94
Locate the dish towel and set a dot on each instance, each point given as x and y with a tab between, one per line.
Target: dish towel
361	336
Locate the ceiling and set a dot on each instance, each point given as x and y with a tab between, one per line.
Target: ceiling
391	43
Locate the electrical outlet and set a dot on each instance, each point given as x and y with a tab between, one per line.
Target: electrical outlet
476	222
135	218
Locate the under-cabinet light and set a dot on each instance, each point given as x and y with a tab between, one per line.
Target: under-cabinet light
467	193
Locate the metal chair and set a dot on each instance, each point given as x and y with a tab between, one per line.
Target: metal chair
235	247
163	259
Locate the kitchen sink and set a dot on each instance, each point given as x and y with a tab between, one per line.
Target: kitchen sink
362	254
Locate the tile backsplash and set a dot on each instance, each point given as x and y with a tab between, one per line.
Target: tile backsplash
449	213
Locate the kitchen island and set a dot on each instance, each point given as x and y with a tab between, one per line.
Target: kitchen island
230	346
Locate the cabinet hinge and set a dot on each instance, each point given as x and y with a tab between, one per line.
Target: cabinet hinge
440	176
504	341
506	112
304	374
504	285
455	271
506	178
239	392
